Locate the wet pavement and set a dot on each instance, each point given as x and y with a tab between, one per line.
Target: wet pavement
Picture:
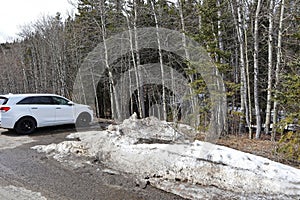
27	174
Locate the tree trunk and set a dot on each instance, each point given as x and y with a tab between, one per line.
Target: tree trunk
270	67
255	59
113	96
220	39
193	99
164	104
249	122
277	69
133	60
139	81
240	34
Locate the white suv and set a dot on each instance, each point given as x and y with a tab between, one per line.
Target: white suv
25	112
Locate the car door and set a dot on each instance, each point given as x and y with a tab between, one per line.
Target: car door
64	112
41	108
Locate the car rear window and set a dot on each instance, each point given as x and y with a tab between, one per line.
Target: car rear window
3	100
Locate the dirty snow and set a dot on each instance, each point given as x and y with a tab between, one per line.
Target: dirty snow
13	193
157	152
10	142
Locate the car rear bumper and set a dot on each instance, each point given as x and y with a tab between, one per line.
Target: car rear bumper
6	123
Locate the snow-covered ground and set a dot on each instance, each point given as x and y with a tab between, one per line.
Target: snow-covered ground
158	154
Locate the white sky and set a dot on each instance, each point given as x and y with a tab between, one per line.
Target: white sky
16	13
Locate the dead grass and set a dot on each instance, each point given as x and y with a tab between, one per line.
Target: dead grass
263	147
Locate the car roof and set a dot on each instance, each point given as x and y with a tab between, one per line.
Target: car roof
28	94
13	98
21	96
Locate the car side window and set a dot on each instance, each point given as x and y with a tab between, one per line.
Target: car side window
60	101
27	100
39	100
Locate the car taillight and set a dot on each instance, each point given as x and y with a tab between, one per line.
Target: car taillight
4	108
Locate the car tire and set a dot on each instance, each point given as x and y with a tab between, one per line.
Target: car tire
25	125
83	120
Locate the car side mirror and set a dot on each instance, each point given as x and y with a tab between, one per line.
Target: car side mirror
71	103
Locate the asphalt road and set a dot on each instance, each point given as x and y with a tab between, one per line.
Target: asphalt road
27	174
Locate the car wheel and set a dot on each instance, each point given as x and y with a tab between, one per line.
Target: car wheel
83	120
25	125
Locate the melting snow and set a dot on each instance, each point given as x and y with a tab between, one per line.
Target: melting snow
12	193
8	142
154	150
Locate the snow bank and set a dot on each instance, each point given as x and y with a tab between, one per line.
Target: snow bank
154	150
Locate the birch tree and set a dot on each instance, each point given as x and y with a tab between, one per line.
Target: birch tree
137	65
271	14
256	68
114	101
164	105
277	68
249	116
240	27
183	29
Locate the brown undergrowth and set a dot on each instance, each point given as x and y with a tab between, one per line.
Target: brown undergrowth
262	147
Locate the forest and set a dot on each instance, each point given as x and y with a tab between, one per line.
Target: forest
255	45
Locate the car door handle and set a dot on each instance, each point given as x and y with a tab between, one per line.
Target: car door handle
34	108
58	108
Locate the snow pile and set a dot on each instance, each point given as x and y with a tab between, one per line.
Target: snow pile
154	150
63	149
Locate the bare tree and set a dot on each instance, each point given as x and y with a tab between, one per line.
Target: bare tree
256	68
240	28
270	65
140	93
114	100
161	64
277	68
249	121
183	29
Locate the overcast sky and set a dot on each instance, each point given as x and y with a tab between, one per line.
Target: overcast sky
16	13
